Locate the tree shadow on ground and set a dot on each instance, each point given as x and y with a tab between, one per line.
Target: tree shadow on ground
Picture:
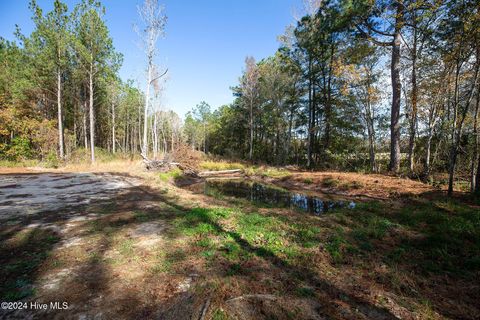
96	288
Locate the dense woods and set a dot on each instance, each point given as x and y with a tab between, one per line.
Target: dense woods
355	85
364	85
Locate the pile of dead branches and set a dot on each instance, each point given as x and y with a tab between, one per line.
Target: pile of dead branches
187	156
183	157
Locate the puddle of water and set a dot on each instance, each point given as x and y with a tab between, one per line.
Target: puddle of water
274	196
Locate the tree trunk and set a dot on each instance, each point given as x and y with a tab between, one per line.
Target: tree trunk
428	151
413	116
473	180
396	93
147	102
85	131
113	127
92	119
457	129
370	131
60	117
477	185
328	105
250	152
155	136
172	147
205	137
310	117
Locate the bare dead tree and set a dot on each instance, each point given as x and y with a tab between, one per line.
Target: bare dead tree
154	21
157	88
250	90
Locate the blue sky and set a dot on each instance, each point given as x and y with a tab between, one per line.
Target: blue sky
205	45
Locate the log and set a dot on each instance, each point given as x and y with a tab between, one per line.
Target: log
219	173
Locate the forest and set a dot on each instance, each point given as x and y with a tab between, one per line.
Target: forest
387	88
342	181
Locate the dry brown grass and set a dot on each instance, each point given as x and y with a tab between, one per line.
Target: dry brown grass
376	186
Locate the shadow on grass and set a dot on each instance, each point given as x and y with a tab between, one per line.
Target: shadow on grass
97	291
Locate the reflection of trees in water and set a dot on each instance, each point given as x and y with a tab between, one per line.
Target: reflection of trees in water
257	192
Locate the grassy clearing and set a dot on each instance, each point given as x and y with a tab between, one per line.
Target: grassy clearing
411	243
416	253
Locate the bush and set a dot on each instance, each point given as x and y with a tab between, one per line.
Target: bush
19	149
51	161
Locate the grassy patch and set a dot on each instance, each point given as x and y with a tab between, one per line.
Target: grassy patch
275	173
308	181
172	174
126	248
219	314
220	165
21	256
336	246
308	236
330	182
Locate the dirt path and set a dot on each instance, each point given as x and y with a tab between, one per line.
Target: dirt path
33	193
84	239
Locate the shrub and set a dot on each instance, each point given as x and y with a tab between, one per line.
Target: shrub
19	149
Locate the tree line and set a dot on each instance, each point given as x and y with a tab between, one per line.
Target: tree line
372	85
362	85
60	90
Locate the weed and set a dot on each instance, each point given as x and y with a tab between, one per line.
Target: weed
172	174
234	269
336	245
330	182
205	243
126	247
141	216
219	314
307	181
305	292
94	256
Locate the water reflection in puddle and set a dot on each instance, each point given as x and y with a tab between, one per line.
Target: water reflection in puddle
274	196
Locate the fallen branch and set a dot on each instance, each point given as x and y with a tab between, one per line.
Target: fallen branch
205	309
253	296
217	173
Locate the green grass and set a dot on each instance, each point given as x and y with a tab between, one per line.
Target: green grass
307	181
330	182
20	163
172	174
31	247
336	246
126	247
141	216
274	173
305	292
219	314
